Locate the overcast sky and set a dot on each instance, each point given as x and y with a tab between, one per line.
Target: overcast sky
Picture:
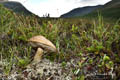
57	7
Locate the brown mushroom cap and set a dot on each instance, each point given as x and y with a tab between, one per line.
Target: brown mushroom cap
42	42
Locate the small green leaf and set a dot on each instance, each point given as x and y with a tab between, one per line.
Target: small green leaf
91	61
111	63
106	58
63	63
23	38
82	77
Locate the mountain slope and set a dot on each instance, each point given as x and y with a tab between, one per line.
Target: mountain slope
80	11
112	3
109	10
16	7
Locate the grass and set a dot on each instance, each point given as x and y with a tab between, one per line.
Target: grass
72	37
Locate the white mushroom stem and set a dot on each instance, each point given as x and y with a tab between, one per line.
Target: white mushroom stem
38	55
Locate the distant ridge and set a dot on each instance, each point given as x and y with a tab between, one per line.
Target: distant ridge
15	7
108	10
81	11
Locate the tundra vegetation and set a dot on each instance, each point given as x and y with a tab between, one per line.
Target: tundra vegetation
95	42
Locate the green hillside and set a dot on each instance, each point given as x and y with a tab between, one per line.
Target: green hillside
84	47
16	7
109	10
112	9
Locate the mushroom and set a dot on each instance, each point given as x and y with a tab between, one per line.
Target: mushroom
42	44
